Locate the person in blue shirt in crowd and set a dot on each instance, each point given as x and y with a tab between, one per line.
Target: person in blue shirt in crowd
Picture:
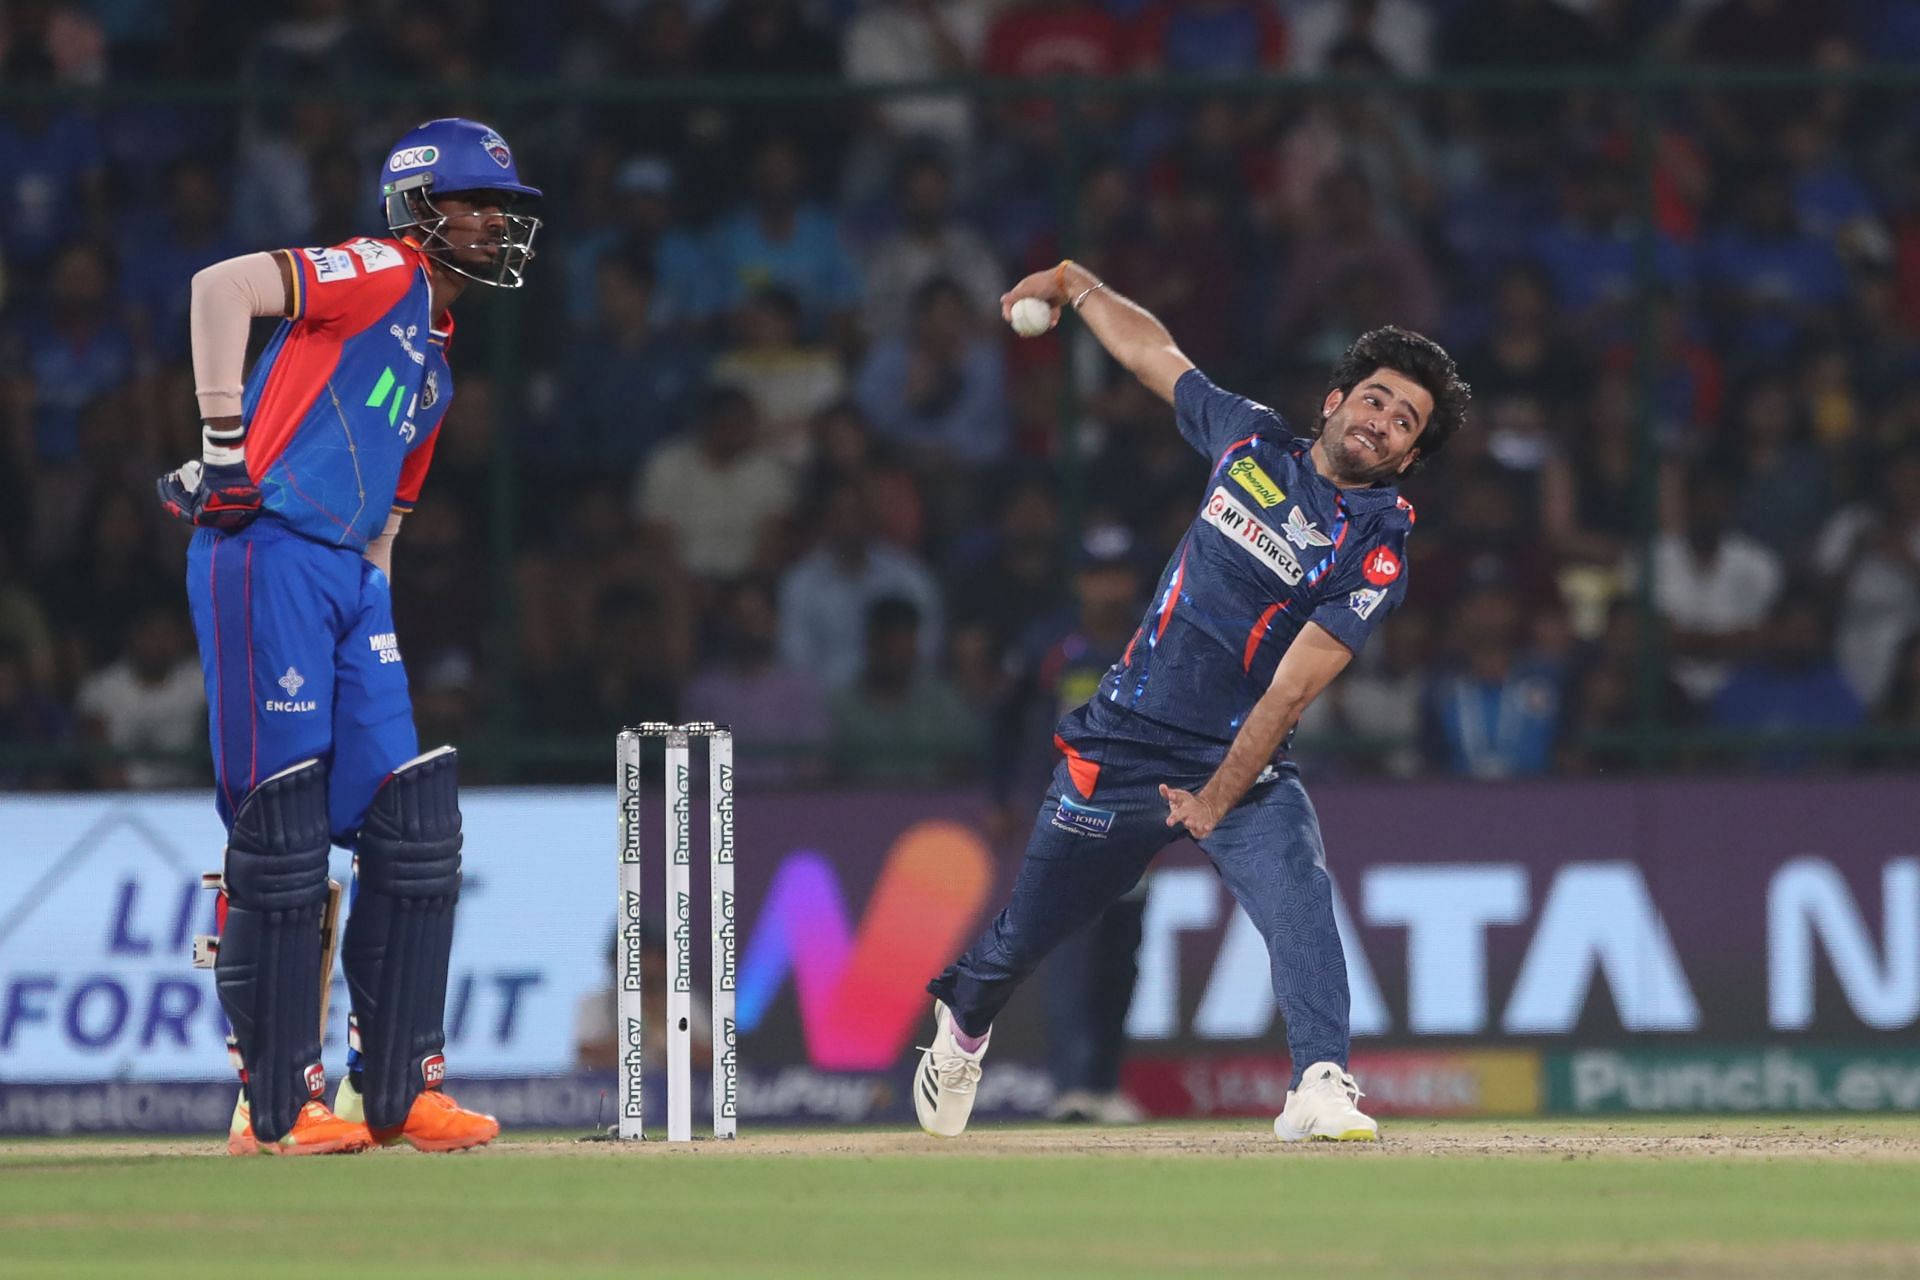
1498	715
781	237
72	353
1771	281
1793	685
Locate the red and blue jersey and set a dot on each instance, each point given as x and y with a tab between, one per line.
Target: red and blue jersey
1276	545
344	405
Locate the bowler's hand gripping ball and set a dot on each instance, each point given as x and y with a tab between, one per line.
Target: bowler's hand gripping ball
1030	317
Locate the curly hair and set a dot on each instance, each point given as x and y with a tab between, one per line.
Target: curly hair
1415	356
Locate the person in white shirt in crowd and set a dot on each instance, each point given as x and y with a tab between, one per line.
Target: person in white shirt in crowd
930	242
719	493
1714	585
151	700
1873	547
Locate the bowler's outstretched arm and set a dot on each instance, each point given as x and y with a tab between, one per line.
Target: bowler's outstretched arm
1128	331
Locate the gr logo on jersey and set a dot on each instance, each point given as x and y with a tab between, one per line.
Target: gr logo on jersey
1381	566
1253	537
413	158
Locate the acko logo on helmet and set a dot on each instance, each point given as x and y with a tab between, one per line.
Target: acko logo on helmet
413	158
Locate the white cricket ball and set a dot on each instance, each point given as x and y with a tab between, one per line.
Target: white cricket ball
1030	317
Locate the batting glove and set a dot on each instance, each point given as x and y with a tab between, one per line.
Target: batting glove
215	492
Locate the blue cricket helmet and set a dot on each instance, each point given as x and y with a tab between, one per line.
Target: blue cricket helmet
446	157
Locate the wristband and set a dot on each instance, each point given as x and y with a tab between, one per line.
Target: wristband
220	448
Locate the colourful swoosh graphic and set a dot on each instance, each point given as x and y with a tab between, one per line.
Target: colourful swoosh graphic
862	994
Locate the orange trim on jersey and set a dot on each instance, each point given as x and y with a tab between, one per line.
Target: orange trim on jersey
1084	772
1259	633
1235	445
297	304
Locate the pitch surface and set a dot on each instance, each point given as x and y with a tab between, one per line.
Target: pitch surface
1683	1197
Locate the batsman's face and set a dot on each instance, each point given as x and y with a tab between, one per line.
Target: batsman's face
1373	432
475	230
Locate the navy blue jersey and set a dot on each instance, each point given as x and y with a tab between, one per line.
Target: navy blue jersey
1275	546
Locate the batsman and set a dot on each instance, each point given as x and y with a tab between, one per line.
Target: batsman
1296	554
305	475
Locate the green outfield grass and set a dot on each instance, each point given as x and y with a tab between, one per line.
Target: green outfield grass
1790	1197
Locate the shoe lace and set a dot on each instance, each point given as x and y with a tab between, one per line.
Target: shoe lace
1342	1081
955	1072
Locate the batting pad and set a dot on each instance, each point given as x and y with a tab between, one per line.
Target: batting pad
400	934
267	971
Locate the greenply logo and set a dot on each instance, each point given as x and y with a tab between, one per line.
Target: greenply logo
1677	1080
1257	482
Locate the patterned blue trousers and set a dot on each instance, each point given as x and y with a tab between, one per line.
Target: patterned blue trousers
1099	827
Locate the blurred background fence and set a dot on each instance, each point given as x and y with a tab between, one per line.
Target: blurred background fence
758	381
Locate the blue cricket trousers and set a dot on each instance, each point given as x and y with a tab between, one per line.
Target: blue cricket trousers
1099	827
298	651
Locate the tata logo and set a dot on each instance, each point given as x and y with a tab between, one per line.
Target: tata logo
413	158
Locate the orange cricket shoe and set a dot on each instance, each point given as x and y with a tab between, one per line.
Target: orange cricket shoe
316	1132
435	1123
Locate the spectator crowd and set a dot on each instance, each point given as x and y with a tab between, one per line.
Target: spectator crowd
755	446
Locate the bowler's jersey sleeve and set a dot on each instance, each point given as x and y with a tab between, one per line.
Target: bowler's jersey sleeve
1213	420
1368	586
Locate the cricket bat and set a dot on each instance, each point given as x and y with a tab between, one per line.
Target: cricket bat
206	947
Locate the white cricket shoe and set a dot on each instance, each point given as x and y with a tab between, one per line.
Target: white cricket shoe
1324	1107
943	1087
